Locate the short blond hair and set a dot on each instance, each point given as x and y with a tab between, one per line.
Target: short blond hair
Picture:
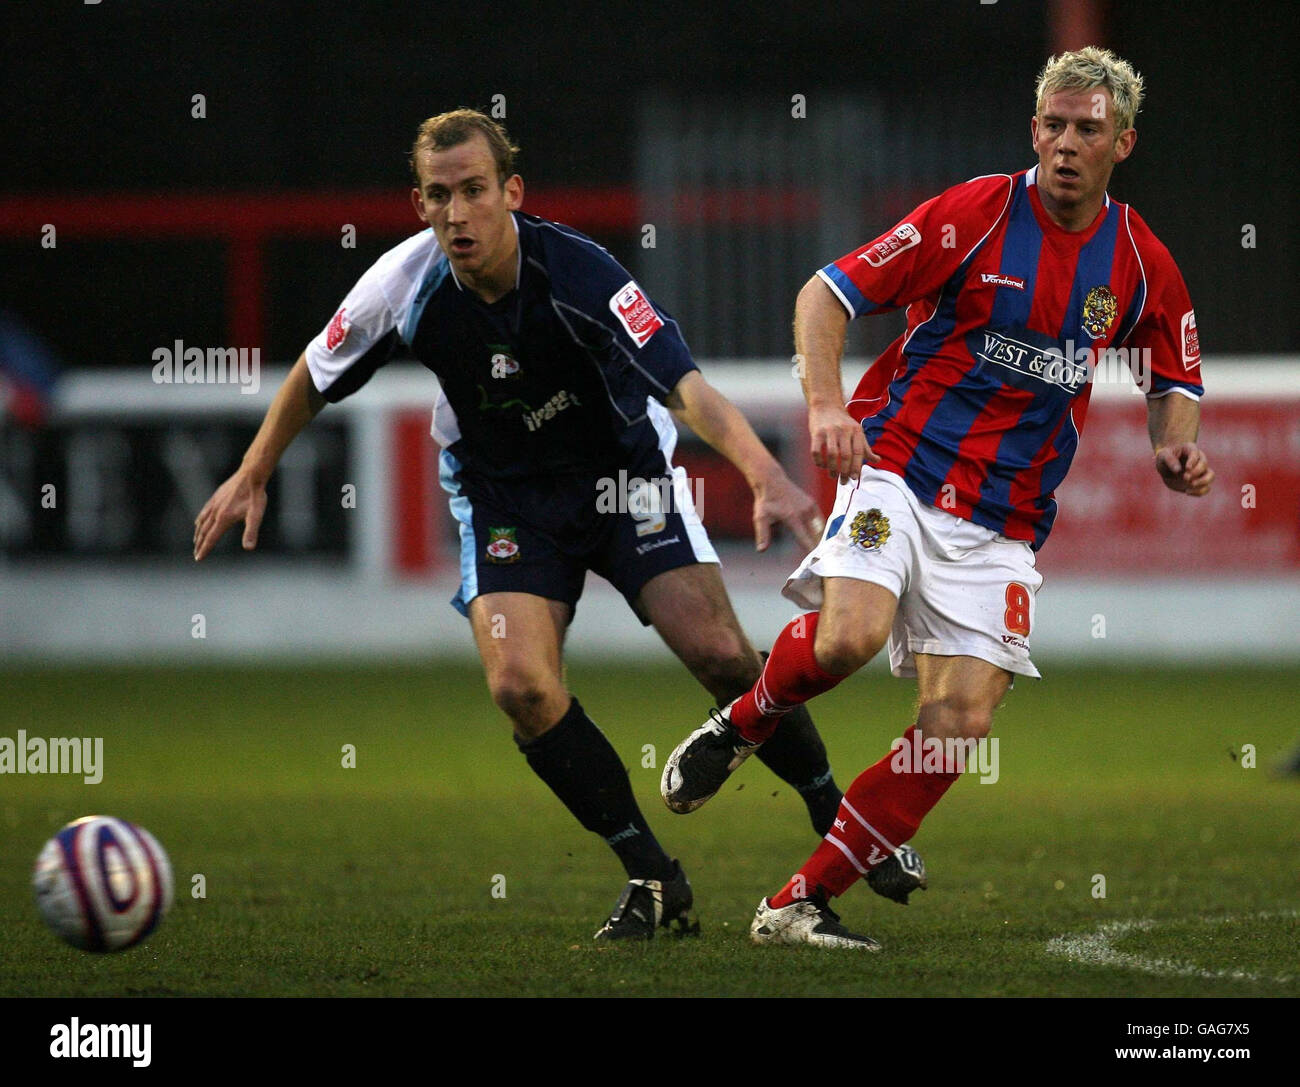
451	129
1091	67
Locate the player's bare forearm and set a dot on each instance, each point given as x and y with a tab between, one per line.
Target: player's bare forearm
1173	419
243	496
295	405
720	423
1174	422
820	324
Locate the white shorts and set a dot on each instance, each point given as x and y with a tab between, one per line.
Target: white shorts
963	589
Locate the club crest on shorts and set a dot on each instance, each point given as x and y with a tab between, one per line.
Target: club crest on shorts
869	530
1100	307
502	546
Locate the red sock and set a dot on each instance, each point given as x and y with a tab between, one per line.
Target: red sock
790	677
881	810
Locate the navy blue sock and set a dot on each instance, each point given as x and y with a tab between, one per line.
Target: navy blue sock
582	768
796	754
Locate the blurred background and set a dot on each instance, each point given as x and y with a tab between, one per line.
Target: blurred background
221	174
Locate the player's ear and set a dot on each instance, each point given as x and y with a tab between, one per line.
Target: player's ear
1033	132
417	202
1124	144
514	189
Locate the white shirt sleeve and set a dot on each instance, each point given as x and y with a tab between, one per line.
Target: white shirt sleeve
361	323
364	331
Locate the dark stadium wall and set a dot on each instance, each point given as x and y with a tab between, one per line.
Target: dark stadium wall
1215	155
302	96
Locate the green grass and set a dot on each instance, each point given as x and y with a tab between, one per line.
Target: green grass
377	880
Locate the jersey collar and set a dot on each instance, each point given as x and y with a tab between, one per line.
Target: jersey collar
1031	178
1049	226
519	258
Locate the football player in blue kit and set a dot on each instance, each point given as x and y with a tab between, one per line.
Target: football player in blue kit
560	380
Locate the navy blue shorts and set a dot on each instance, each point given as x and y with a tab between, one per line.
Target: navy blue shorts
542	538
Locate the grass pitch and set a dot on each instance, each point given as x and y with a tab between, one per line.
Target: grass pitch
378	880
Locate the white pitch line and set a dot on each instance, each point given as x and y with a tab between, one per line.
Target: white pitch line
1097	949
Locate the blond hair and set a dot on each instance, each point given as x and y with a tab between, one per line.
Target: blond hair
1093	67
454	128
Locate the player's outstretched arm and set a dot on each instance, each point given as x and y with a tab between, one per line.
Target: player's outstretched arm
243	496
719	422
1173	421
820	323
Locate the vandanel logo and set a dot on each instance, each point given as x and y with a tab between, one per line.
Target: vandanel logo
997	279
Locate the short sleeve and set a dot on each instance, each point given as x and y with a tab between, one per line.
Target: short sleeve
600	300
914	259
360	338
1165	334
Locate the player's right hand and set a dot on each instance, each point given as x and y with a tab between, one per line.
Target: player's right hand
240	498
838	444
1185	468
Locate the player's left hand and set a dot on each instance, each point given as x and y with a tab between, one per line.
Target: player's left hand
1185	468
780	502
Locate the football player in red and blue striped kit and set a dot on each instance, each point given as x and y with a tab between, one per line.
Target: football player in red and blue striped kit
1020	291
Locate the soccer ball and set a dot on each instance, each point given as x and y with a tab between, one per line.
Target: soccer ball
103	884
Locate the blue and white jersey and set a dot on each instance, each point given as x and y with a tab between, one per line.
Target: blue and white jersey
566	374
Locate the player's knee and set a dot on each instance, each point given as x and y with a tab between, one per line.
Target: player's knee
841	650
525	698
955	717
725	664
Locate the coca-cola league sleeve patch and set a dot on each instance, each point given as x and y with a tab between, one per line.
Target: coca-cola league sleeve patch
635	313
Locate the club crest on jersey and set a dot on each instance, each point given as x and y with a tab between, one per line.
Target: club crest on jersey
337	331
635	313
1100	308
502	546
885	250
503	366
869	530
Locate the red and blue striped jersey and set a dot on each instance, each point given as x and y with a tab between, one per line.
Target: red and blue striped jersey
980	404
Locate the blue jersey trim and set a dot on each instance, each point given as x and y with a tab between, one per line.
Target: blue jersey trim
432	281
463	511
857	301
